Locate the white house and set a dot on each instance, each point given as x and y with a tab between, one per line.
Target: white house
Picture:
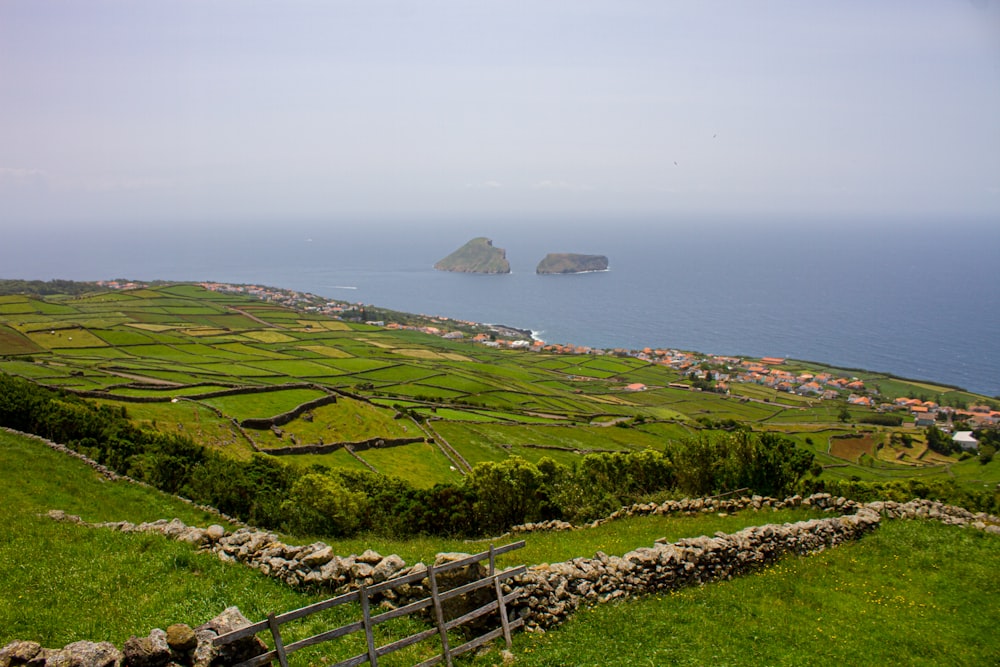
965	440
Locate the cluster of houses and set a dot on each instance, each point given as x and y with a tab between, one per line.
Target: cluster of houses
926	413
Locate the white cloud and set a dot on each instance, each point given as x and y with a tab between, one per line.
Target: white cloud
128	184
557	185
485	185
20	174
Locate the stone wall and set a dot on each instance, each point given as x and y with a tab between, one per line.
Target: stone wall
179	646
552	592
325	448
549	593
264	423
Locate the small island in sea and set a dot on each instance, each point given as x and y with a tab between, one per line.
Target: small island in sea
477	256
567	262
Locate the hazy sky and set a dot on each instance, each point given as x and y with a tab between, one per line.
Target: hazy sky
239	111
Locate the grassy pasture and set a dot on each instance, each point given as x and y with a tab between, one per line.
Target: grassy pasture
356	365
65	339
347	420
192	419
421	391
13	343
851	449
421	464
123	337
156	343
494	440
293	368
251	351
399	373
265	404
65	583
338	459
912	593
16	306
168	392
325	351
33	370
466	385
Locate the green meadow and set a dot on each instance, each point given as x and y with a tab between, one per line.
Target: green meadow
172	343
911	593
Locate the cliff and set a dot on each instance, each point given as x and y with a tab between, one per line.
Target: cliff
476	256
567	262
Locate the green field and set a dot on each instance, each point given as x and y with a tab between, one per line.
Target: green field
911	593
168	340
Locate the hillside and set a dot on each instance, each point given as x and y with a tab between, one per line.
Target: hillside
477	256
914	588
200	361
564	262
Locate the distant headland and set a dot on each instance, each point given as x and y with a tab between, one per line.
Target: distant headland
567	262
477	256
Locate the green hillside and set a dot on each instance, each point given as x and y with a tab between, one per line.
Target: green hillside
183	350
910	593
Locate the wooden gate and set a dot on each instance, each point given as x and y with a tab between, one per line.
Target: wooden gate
368	621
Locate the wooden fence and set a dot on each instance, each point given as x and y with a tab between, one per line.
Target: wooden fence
368	621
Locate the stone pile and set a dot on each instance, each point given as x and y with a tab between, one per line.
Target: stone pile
178	646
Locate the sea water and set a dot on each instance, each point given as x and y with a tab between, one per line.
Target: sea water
922	304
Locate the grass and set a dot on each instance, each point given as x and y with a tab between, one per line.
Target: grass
912	593
176	333
267	404
421	464
64	583
347	420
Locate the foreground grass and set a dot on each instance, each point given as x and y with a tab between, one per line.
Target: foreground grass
912	593
63	582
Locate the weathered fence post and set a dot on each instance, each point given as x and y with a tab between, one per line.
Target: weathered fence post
279	646
439	613
366	618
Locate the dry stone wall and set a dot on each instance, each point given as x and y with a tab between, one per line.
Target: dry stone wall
179	646
548	593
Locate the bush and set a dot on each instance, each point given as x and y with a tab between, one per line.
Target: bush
881	419
319	505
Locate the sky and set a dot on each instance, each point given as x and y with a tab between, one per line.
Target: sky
188	113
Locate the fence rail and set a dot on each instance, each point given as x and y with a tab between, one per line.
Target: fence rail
364	596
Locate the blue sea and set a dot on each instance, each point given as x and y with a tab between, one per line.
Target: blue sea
921	303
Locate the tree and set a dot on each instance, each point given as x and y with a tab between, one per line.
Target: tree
938	441
507	493
319	505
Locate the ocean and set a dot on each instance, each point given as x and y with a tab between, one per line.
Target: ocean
921	303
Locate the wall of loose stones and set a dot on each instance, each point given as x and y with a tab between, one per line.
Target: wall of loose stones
549	593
